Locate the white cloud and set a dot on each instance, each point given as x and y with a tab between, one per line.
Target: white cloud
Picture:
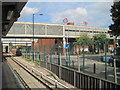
99	14
96	14
73	15
29	11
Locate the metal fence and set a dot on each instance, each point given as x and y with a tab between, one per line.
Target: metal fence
66	66
79	79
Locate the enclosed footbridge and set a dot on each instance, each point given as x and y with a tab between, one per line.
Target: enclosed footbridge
44	30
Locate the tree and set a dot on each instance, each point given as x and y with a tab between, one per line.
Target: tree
84	39
99	40
115	13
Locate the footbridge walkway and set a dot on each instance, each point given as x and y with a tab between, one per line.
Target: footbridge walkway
43	30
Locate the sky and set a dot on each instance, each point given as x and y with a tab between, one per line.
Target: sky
97	14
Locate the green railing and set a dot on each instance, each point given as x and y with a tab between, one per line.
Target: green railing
53	56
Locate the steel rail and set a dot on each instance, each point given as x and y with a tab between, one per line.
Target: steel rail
56	83
32	74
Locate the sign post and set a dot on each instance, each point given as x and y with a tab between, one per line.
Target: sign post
68	53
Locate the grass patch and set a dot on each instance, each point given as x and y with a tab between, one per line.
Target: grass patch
22	57
37	63
28	59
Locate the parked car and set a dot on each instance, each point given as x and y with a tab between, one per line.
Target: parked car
109	59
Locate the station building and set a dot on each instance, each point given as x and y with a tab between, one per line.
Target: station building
54	34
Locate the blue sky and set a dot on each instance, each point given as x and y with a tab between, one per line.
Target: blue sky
97	14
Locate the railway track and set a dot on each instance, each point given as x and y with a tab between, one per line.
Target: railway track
32	78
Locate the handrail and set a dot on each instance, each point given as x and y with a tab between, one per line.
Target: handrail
56	82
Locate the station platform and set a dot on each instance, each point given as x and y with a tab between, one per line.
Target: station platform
9	81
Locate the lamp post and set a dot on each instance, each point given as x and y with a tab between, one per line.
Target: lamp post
33	33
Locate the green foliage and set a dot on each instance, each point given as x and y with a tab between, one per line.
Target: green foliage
84	39
99	41
37	63
115	11
100	38
29	59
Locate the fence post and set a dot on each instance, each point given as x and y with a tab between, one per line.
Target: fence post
115	76
73	64
51	54
106	59
78	59
58	54
45	56
39	55
60	67
44	53
69	55
74	78
31	53
100	85
28	53
34	54
24	52
83	56
94	68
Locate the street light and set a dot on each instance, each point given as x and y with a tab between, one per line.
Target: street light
33	33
